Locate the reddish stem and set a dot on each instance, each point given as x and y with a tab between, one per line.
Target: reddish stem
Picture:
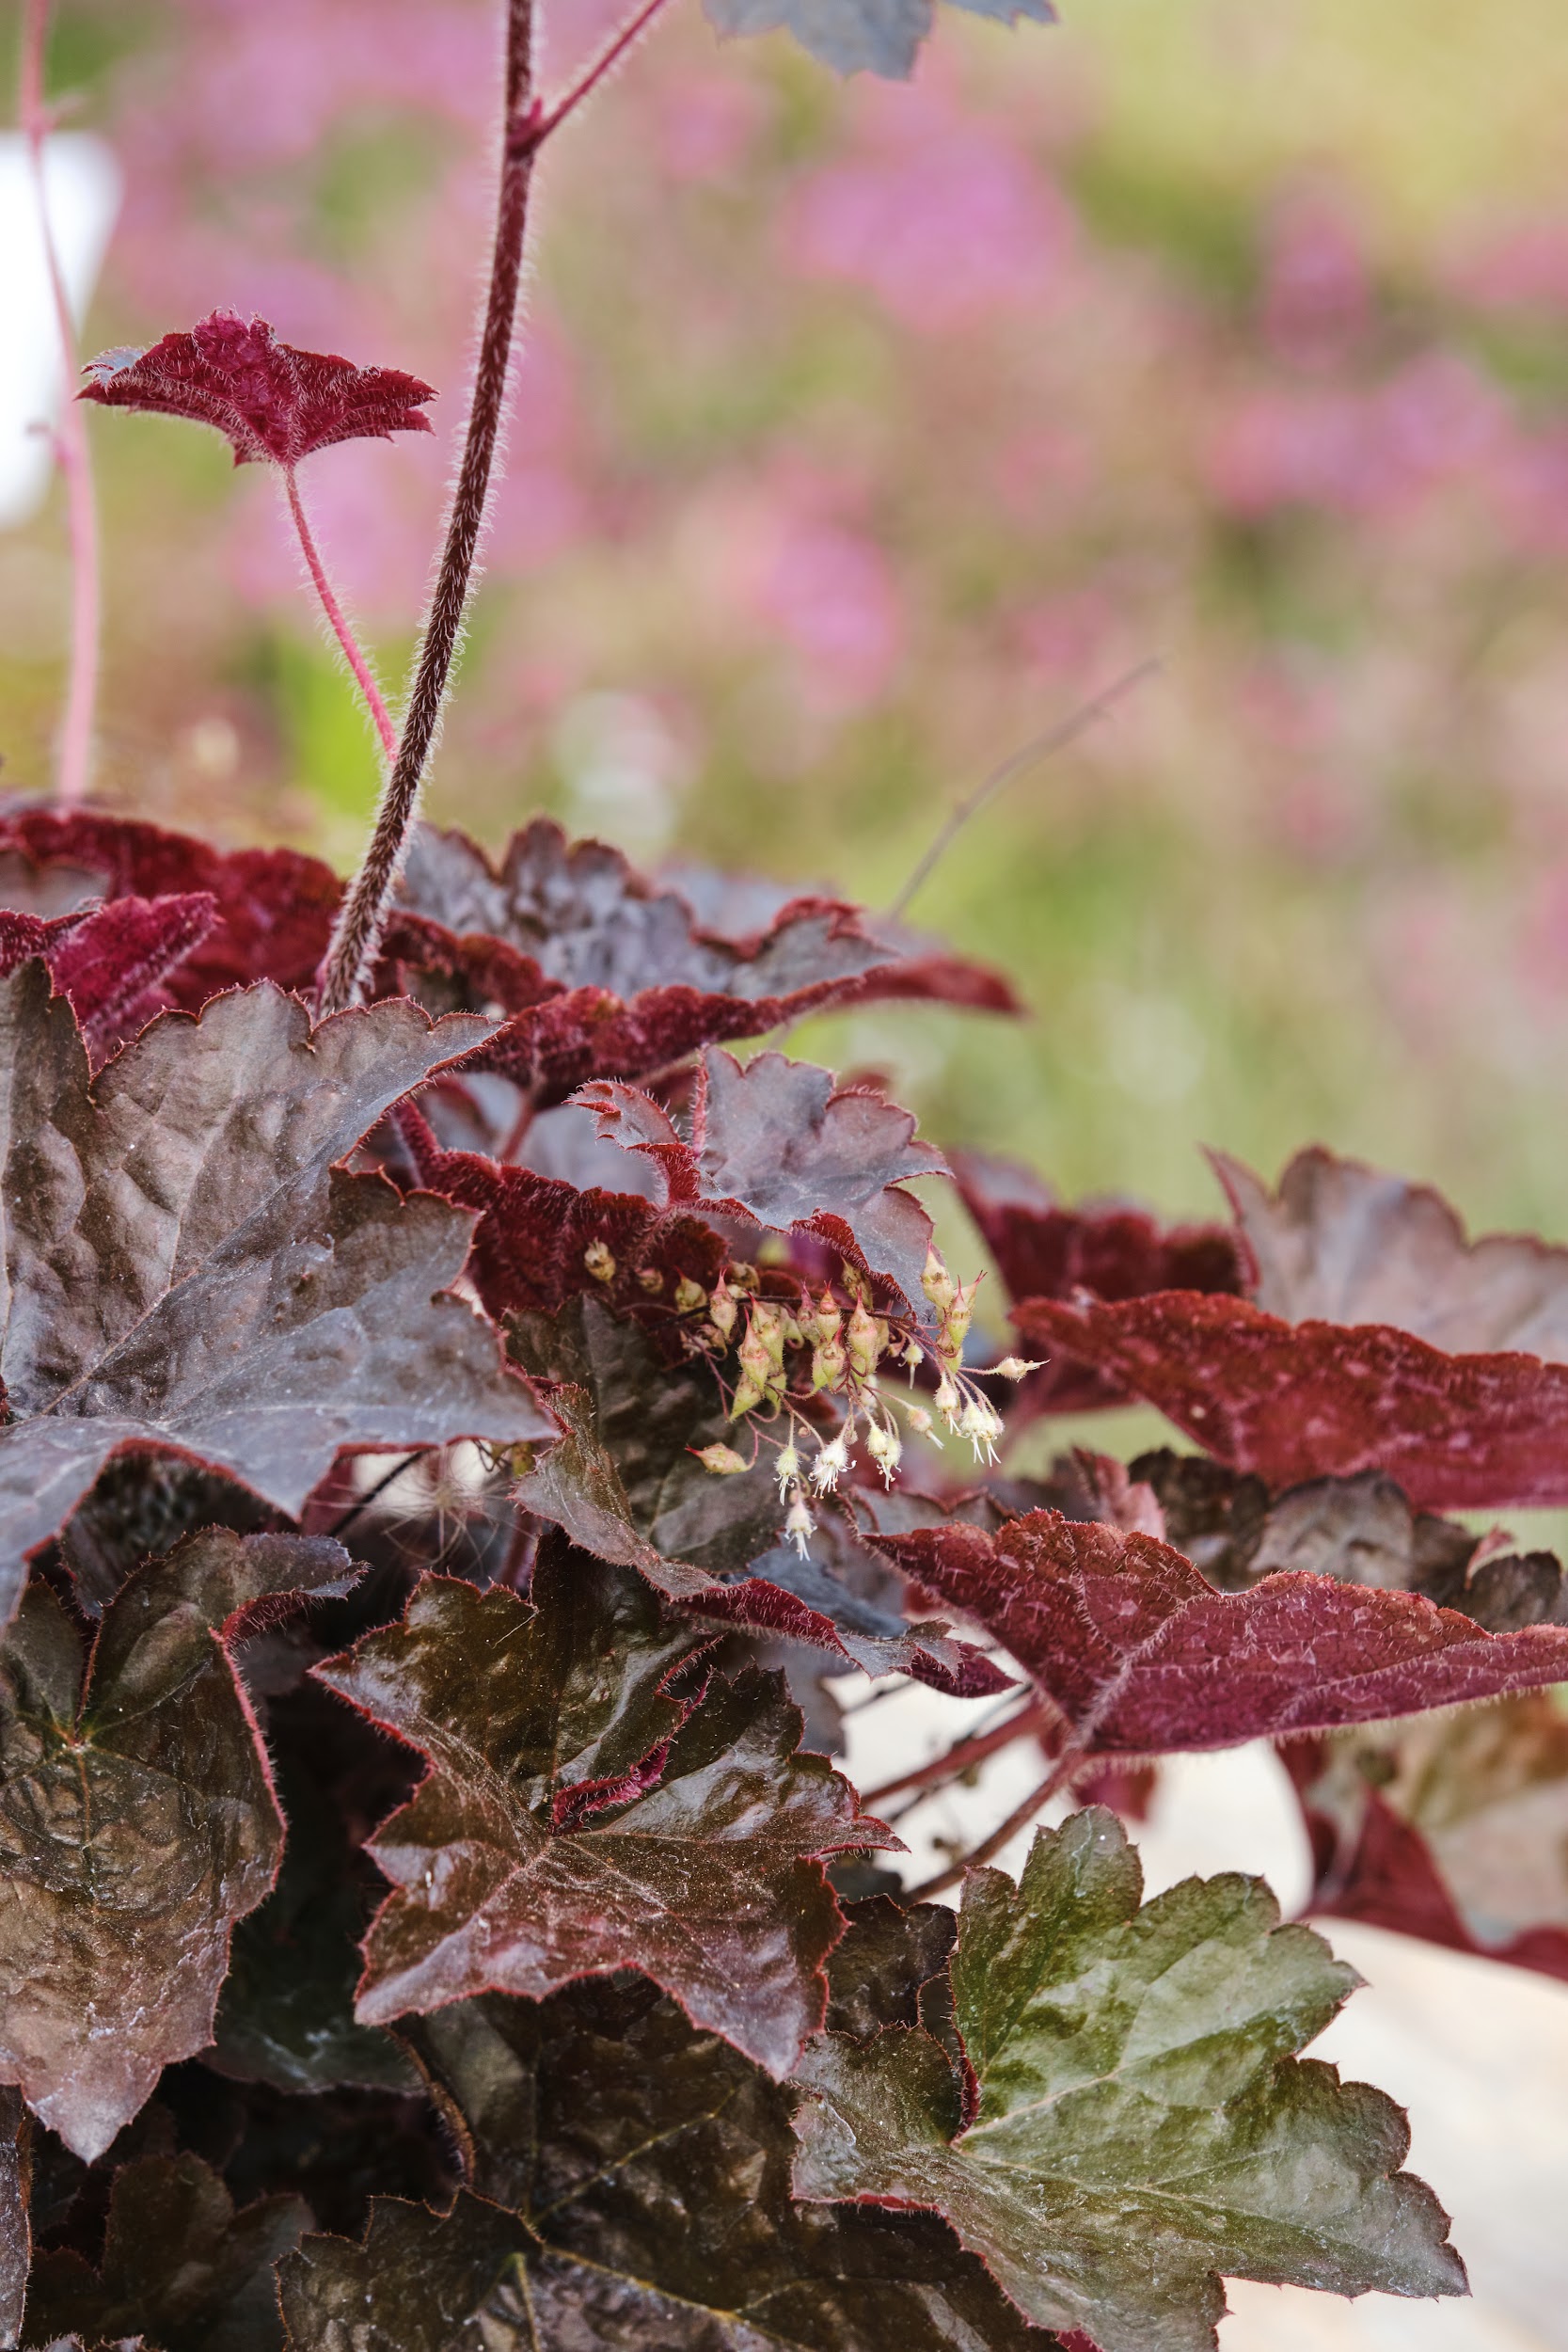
356	939
71	443
964	1754
1020	1818
363	675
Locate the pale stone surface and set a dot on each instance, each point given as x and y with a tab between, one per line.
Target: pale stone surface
1477	2054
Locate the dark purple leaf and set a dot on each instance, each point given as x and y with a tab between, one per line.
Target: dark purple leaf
1342	1243
862	35
625	1483
111	960
16	2246
1309	1400
181	2269
653	2164
1112	1248
1141	2126
1142	1656
272	401
712	1882
775	1144
137	1824
421	2282
185	1272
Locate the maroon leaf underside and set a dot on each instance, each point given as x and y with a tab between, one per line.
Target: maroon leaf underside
1143	1657
1300	1401
530	1244
775	1144
271	400
704	1866
111	960
1111	1248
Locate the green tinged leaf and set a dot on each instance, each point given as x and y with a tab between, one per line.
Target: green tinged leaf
181	2269
421	2282
651	2162
595	1802
136	1824
1143	2126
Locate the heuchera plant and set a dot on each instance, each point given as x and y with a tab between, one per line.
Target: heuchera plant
441	1382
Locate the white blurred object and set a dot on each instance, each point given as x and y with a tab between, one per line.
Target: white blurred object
623	770
83	184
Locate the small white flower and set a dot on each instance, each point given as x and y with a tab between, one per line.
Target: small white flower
786	1469
798	1525
921	1422
831	1461
1014	1368
982	1425
884	1446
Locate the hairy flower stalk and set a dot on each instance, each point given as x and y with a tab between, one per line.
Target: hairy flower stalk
74	769
526	126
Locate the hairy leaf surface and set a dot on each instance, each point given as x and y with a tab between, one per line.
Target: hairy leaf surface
15	2235
181	2269
111	960
1307	1400
653	2163
137	1824
270	402
775	1144
185	1272
592	1807
1142	1656
1144	2127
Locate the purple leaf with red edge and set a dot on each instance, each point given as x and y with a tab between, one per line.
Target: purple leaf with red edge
1342	1243
1143	1657
1453	1829
1111	1248
111	960
1309	1400
709	1880
775	1144
137	1823
186	1272
273	404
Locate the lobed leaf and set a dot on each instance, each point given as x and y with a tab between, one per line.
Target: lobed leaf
858	35
1338	1242
1142	1655
270	402
652	2165
181	2268
184	1271
586	1810
1143	2125
1308	1400
775	1144
137	1823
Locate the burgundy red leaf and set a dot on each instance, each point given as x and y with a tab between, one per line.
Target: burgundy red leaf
1309	1400
111	960
1112	1248
272	401
1142	1655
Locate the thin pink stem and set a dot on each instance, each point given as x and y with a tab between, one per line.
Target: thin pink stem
364	676
71	445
